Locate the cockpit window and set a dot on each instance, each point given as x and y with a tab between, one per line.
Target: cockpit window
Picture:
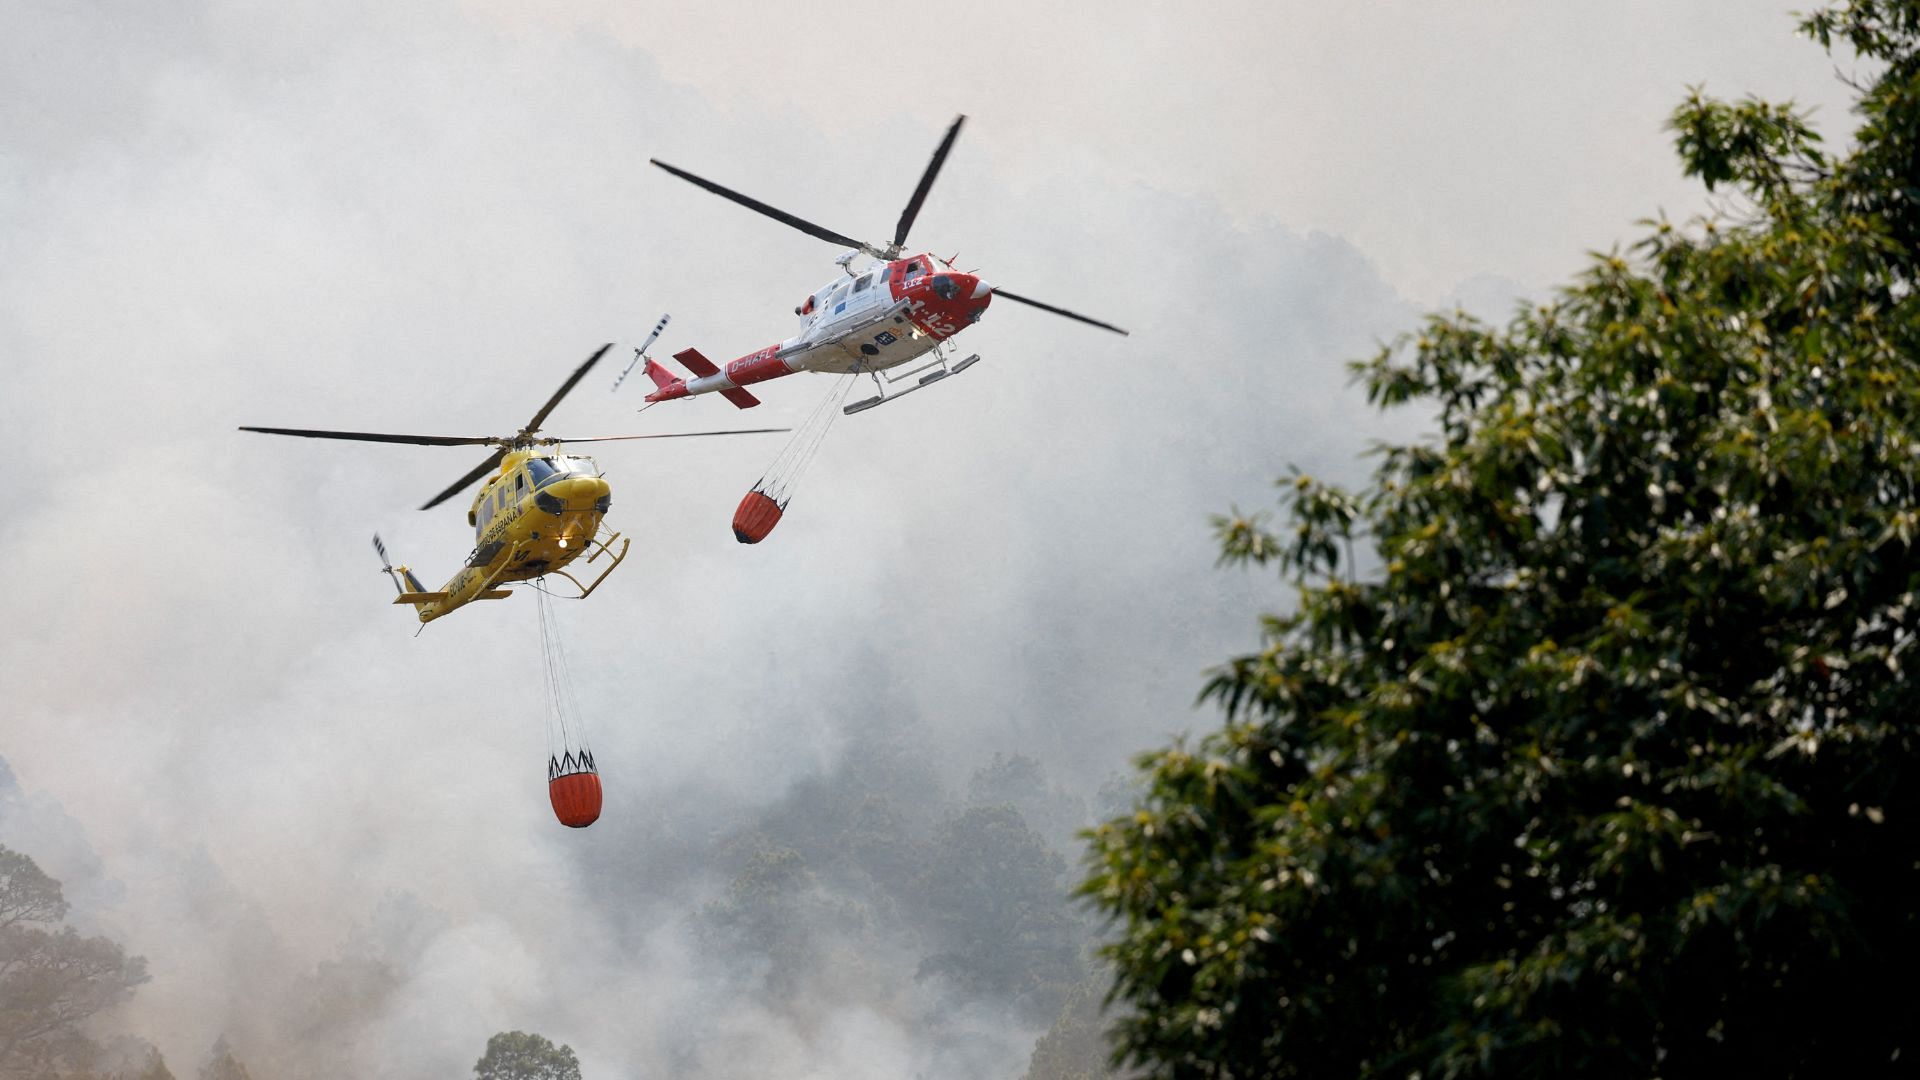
541	470
914	268
944	287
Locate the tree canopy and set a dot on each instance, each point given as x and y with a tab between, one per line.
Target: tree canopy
52	980
992	904
1605	764
518	1055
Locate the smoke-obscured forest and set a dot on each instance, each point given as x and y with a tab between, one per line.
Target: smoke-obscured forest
927	927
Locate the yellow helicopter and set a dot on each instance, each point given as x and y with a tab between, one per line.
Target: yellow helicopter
537	513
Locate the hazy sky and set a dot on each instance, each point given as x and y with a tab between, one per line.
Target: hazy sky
420	217
1446	140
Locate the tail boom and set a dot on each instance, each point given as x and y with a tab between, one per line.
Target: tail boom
710	379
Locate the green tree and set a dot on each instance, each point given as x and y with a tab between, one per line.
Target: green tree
1608	768
51	979
518	1055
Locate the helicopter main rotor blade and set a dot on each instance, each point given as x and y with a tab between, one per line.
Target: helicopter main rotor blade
572	380
670	435
372	436
757	206
997	291
465	482
926	183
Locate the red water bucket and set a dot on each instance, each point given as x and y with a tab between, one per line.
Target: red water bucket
576	798
755	518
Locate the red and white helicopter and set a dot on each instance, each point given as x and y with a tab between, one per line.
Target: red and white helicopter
892	313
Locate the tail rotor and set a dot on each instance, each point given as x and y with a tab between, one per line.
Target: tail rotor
403	579
640	353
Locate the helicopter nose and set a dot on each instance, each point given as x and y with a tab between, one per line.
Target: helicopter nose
953	286
579	492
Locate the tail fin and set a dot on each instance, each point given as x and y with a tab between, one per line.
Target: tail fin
408	586
662	378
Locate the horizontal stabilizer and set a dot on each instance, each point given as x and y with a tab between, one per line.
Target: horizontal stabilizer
698	364
419	597
740	398
494	594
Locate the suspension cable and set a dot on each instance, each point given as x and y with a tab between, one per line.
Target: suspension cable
783	476
565	732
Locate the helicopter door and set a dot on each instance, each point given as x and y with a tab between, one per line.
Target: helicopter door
859	296
836	304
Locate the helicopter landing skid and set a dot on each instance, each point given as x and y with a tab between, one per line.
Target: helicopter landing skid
925	380
600	547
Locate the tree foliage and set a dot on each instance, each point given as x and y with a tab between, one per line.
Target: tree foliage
1020	781
27	894
776	911
519	1055
991	898
1609	767
52	980
872	866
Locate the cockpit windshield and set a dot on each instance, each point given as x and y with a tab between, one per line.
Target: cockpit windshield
544	471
